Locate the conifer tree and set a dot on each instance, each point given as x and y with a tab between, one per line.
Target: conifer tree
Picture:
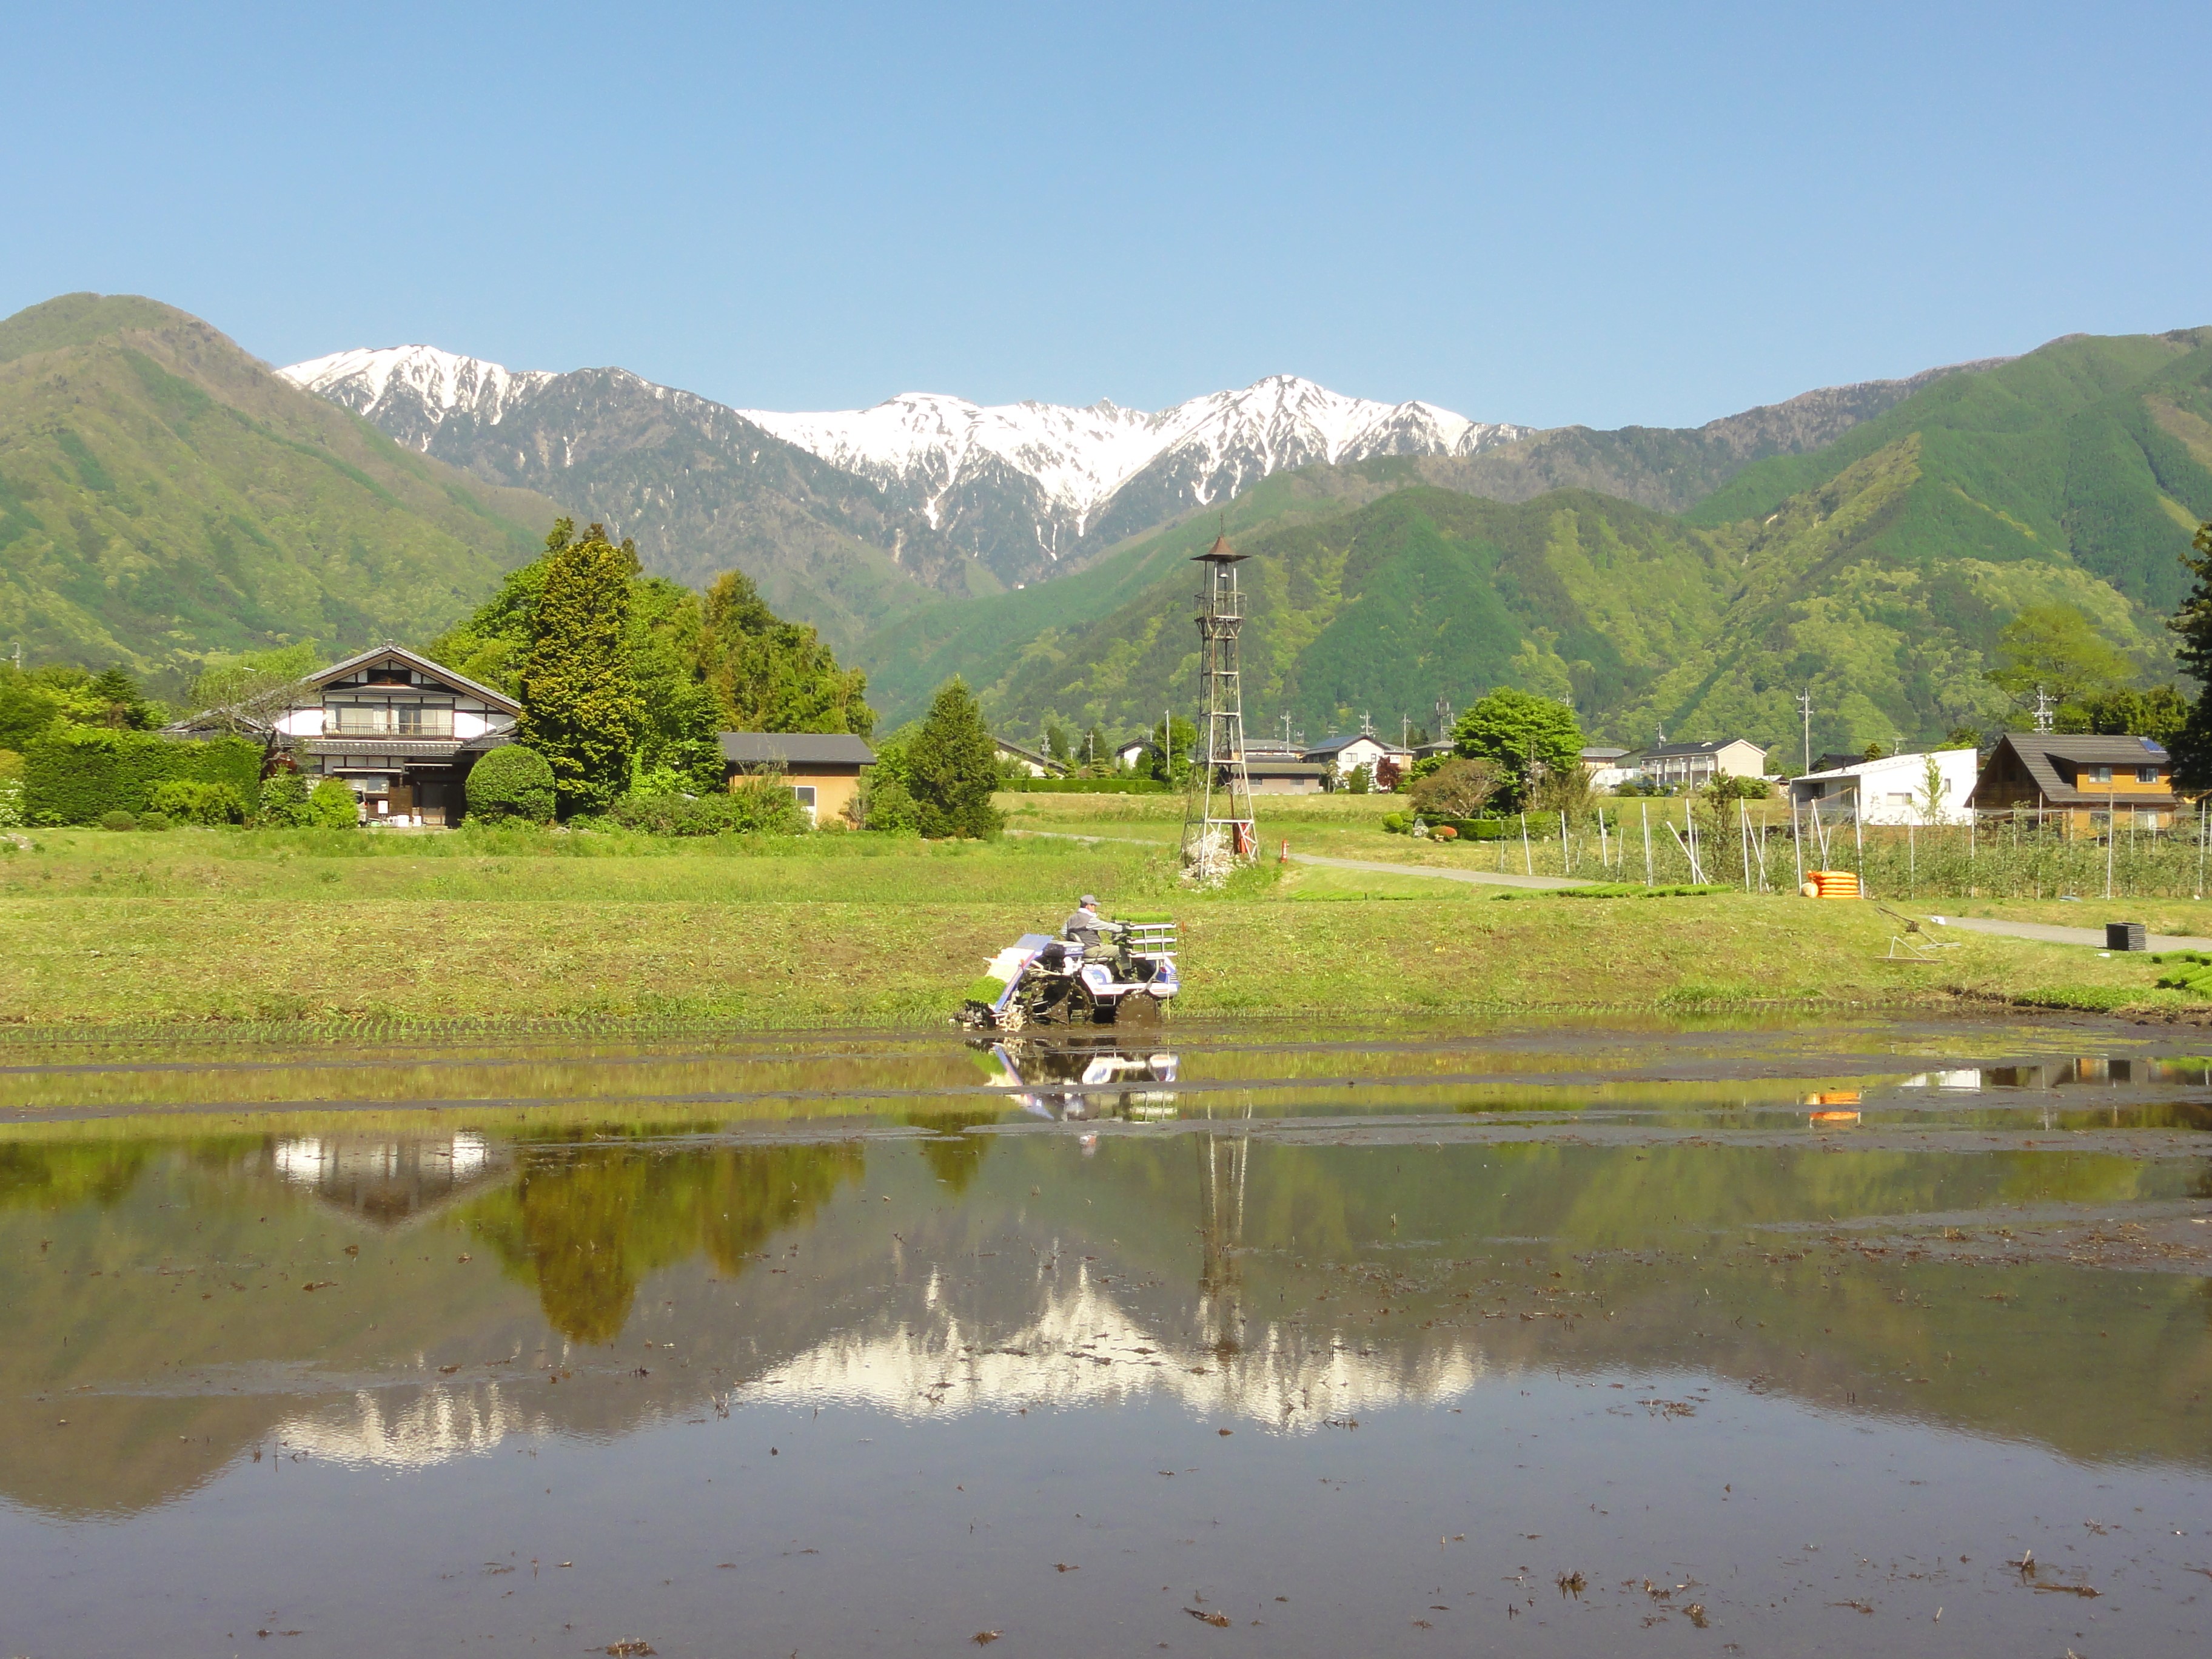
580	704
2193	749
952	767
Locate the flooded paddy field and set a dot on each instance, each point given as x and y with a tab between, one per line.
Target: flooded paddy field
1888	1335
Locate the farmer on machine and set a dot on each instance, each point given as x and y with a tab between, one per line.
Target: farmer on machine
1084	926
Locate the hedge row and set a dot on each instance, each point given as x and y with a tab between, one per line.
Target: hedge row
1087	787
80	773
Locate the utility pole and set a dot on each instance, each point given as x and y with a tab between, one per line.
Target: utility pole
1167	728
2043	710
1805	707
1287	731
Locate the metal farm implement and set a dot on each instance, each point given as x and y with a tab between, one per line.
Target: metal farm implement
1120	974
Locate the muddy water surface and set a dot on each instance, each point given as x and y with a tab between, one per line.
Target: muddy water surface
1893	1337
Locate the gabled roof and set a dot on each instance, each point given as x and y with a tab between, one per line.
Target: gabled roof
1335	746
1599	751
1270	766
338	670
1667	751
1032	756
795	748
2041	751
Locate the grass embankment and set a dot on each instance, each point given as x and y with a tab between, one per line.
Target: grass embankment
196	926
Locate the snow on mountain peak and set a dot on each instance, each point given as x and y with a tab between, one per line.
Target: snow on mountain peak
1079	458
416	381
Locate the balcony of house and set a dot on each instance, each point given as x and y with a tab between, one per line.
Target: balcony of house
387	721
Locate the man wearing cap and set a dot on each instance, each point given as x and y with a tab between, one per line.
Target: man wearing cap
1083	926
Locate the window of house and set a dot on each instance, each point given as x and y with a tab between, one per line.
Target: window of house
803	793
2146	775
2099	774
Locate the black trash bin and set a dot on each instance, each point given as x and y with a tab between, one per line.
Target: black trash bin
2126	936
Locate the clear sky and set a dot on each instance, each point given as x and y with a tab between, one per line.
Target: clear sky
1540	213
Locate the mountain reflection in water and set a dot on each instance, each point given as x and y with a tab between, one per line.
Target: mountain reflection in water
380	1377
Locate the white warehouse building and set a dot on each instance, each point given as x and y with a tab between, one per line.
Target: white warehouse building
1893	789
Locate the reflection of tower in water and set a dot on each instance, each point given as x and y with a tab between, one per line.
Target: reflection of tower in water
1223	1161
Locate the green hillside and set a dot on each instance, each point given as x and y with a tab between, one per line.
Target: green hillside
1877	572
2099	448
164	496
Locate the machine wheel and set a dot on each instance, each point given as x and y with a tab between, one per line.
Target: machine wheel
1137	1008
1015	1017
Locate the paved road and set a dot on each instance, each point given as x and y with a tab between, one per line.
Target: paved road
2050	935
1479	877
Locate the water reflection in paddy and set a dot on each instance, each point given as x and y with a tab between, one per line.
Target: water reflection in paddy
1059	1354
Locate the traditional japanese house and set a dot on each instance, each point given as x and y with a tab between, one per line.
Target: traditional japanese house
398	730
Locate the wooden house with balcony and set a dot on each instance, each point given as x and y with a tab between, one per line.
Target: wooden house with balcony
398	730
2080	780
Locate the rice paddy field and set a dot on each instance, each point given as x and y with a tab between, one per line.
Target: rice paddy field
299	927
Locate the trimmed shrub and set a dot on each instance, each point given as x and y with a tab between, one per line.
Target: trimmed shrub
764	808
1445	832
152	820
284	800
118	820
332	806
511	782
197	803
80	773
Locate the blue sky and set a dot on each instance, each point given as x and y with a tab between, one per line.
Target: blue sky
1545	213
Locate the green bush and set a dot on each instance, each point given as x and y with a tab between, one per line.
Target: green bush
511	782
118	820
332	806
197	803
284	800
79	773
153	820
767	808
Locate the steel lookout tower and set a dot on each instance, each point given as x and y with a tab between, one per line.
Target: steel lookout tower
1217	824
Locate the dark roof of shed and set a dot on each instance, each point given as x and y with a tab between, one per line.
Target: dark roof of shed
795	748
1269	766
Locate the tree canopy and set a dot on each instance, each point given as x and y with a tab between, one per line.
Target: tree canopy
2191	746
580	708
698	666
1524	735
2054	649
952	767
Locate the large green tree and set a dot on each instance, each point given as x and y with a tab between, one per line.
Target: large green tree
952	767
1524	736
2191	747
580	704
770	675
2053	648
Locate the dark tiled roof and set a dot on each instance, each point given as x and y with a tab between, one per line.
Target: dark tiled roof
437	670
1332	745
2039	751
1268	766
795	748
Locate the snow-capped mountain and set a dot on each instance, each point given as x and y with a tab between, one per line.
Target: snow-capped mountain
410	391
1018	487
927	447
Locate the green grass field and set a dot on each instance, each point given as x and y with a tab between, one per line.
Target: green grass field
228	926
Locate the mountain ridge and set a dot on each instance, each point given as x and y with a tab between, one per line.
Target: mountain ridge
165	496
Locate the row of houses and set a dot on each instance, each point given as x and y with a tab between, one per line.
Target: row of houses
402	732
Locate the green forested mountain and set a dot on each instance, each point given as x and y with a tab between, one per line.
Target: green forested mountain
163	496
1877	571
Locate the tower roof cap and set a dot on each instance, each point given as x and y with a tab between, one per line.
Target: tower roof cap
1220	553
